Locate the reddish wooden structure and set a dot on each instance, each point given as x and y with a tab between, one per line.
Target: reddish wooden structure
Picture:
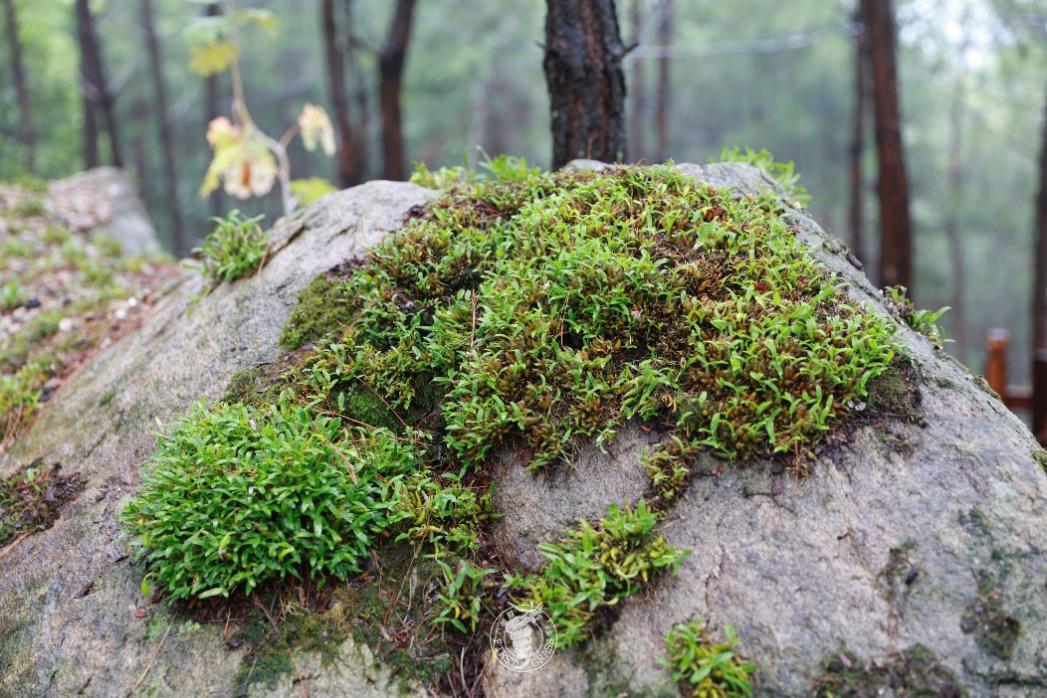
1029	398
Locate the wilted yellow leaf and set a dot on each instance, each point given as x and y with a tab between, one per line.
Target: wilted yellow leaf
316	127
212	57
241	161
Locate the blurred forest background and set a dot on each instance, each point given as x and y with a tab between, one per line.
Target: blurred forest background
972	78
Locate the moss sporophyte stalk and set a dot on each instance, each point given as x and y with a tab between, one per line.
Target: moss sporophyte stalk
526	311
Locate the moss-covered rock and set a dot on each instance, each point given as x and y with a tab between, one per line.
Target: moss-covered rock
512	324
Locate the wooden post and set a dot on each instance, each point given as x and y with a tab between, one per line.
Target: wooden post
1039	395
996	360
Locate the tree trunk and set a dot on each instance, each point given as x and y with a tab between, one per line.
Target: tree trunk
14	43
893	186
360	94
954	184
661	118
391	61
1039	292
855	212
164	123
88	92
140	150
348	172
583	73
638	90
211	111
94	84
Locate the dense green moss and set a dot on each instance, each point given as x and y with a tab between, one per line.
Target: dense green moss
324	309
591	570
704	668
560	306
532	311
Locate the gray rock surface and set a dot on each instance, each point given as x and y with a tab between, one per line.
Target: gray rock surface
104	198
68	594
799	568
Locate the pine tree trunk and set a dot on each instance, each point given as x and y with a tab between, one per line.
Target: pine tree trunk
94	83
391	61
896	246
14	44
348	173
583	73
164	124
665	39
211	111
954	184
638	90
855	213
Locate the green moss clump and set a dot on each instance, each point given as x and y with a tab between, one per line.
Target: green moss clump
706	669
559	306
237	496
893	393
914	672
324	309
923	321
235	248
27	339
29	207
1040	456
595	569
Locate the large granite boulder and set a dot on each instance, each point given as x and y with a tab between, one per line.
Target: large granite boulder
912	536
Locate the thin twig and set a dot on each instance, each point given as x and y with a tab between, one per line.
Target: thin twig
156	653
410	566
387	405
472	333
